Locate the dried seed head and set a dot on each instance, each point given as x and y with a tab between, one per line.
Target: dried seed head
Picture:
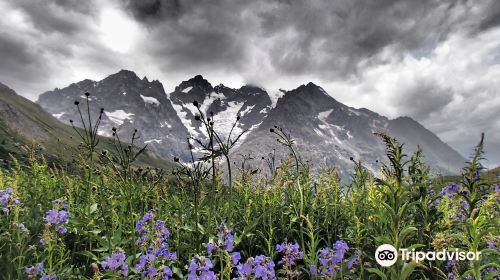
211	113
87	94
71	121
351	158
77	103
195	103
271	130
113	129
212	123
102	110
238	117
197	117
176	159
209	119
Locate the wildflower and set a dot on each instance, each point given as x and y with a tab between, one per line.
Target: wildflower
62	230
7	200
200	268
225	240
34	271
56	216
116	262
449	190
49	277
330	259
153	237
140	224
353	261
235	258
260	267
291	254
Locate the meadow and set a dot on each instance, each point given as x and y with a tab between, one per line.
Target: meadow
112	219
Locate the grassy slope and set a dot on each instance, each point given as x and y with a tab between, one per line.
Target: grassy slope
57	139
491	176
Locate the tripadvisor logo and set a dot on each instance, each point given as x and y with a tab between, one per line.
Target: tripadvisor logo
386	255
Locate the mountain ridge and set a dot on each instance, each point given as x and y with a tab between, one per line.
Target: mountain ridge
324	127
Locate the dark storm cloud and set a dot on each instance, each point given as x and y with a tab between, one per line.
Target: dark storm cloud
328	38
429	59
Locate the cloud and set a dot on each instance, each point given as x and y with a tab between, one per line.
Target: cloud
436	61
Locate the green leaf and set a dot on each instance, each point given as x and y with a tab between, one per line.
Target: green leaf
378	272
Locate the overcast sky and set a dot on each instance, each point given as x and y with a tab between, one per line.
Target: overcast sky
436	61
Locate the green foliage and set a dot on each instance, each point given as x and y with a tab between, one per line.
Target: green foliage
106	199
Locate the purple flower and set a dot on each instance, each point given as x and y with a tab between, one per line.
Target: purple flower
146	218
260	267
7	200
225	240
235	258
330	259
62	230
56	216
291	254
152	238
449	190
200	268
34	271
49	277
116	262
353	261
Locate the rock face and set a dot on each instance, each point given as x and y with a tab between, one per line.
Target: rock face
129	103
248	102
326	131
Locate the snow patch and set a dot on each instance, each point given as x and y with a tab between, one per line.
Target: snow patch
150	100
181	112
247	109
224	120
323	115
119	116
158	141
188	89
124	93
58	116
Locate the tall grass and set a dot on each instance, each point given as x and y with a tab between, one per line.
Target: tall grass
290	225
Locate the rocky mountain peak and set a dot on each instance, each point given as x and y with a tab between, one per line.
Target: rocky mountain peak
197	83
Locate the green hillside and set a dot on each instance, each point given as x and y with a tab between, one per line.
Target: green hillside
23	123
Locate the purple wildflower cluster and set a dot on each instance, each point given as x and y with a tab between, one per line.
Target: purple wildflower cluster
449	190
200	268
34	271
225	240
260	267
7	200
330	260
116	262
152	239
58	216
291	255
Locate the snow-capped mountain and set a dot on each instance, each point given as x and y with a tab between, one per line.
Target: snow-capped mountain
248	102
129	103
328	133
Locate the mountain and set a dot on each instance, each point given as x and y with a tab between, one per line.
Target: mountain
22	121
129	103
328	132
249	102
